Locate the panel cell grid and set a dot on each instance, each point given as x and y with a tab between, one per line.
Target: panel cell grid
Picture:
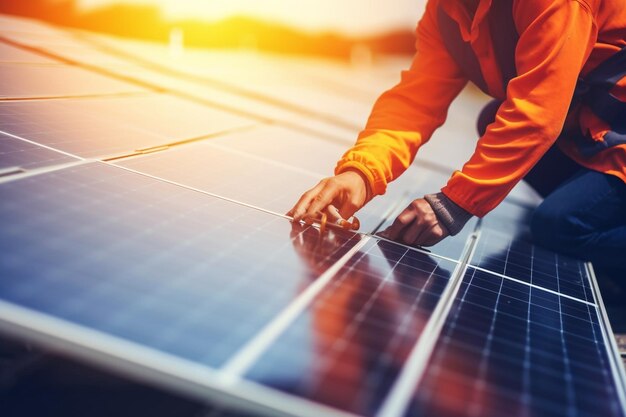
19	153
516	257
348	347
173	269
509	349
32	80
83	126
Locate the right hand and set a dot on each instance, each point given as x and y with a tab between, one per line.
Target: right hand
339	196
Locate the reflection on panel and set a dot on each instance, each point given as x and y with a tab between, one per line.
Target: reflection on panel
23	81
152	263
505	248
84	126
398	195
19	24
287	146
12	54
258	75
229	174
510	218
21	154
509	349
348	347
416	182
517	258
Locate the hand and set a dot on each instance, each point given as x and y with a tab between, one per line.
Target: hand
340	196
417	225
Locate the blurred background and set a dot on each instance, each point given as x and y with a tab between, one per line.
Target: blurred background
349	29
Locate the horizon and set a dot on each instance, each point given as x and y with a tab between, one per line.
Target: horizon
311	16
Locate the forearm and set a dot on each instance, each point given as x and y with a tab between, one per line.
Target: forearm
404	117
555	41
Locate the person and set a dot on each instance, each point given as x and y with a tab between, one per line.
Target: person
556	70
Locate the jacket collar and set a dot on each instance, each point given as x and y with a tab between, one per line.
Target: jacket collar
458	11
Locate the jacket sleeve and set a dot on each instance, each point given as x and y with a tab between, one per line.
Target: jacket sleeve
404	117
556	37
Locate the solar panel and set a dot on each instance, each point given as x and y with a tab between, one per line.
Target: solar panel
174	264
252	180
270	77
23	155
511	349
188	265
23	25
347	348
32	80
16	55
83	126
286	146
505	248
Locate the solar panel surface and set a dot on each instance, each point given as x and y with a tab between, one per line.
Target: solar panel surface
21	154
349	345
185	273
511	349
26	81
163	278
83	126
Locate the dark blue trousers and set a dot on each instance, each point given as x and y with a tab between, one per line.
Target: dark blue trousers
583	213
585	217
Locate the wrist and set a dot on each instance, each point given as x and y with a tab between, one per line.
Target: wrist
452	216
364	180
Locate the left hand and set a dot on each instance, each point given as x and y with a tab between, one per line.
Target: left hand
417	225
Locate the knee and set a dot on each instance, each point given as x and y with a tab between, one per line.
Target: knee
553	228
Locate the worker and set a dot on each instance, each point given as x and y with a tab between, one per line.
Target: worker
556	70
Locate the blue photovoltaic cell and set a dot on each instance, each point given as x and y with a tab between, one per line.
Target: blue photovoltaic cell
26	155
84	126
247	179
169	268
505	248
287	146
348	347
509	349
517	258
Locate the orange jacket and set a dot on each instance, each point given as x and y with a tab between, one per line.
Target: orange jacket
558	41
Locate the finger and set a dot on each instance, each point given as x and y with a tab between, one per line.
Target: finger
430	230
411	233
434	236
402	221
333	214
304	202
321	200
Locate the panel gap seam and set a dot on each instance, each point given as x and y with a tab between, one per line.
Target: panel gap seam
406	384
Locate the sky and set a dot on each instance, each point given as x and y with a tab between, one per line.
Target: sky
350	17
